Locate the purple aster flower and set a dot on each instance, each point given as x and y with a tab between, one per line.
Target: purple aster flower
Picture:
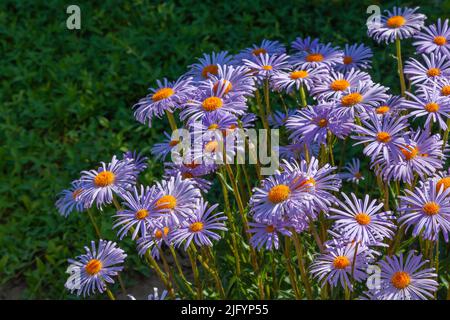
267	234
334	84
266	47
421	154
208	65
191	171
296	78
153	296
98	186
382	137
335	266
137	159
363	98
312	124
303	45
436	67
215	121
180	197
199	227
139	213
406	279
248	120
356	56
96	267
443	86
161	150
362	221
278	118
353	173
237	80
264	66
429	103
211	102
434	39
168	96
321	55
69	200
390	107
400	23
427	211
297	150
158	234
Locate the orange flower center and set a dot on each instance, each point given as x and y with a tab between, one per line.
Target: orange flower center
433	72
383	137
410	152
104	179
196	226
382	110
191	165
432	107
166	202
213	126
173	143
443	182
228	88
339	85
362	218
445	91
279	193
322	123
348	60
431	208
351	99
187	175
270	228
93	267
162	93
212	104
141	214
268	68
341	262
395	22
210	69
211	146
314	57
160	233
76	193
401	279
259	51
358	175
440	40
299	74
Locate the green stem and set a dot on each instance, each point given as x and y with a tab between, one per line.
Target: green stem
261	110
400	66
110	294
287	255
198	284
301	265
172	122
303	96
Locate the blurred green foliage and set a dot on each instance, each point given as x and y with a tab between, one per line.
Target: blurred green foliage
66	98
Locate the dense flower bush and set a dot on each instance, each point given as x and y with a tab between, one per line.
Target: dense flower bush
297	233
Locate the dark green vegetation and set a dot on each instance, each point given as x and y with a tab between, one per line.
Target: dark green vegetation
66	100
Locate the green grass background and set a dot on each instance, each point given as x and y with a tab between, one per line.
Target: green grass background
66	98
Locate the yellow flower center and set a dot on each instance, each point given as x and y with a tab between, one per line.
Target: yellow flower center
141	214
212	104
339	85
104	179
383	137
351	99
166	202
160	233
395	22
440	40
259	51
314	57
93	267
410	152
443	182
162	93
362	218
228	88
196	226
401	279
431	208
299	74
279	193
322	123
173	143
445	91
210	69
309	182
270	228
341	262
268	68
213	126
211	146
382	110
432	107
348	60
433	72
76	193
